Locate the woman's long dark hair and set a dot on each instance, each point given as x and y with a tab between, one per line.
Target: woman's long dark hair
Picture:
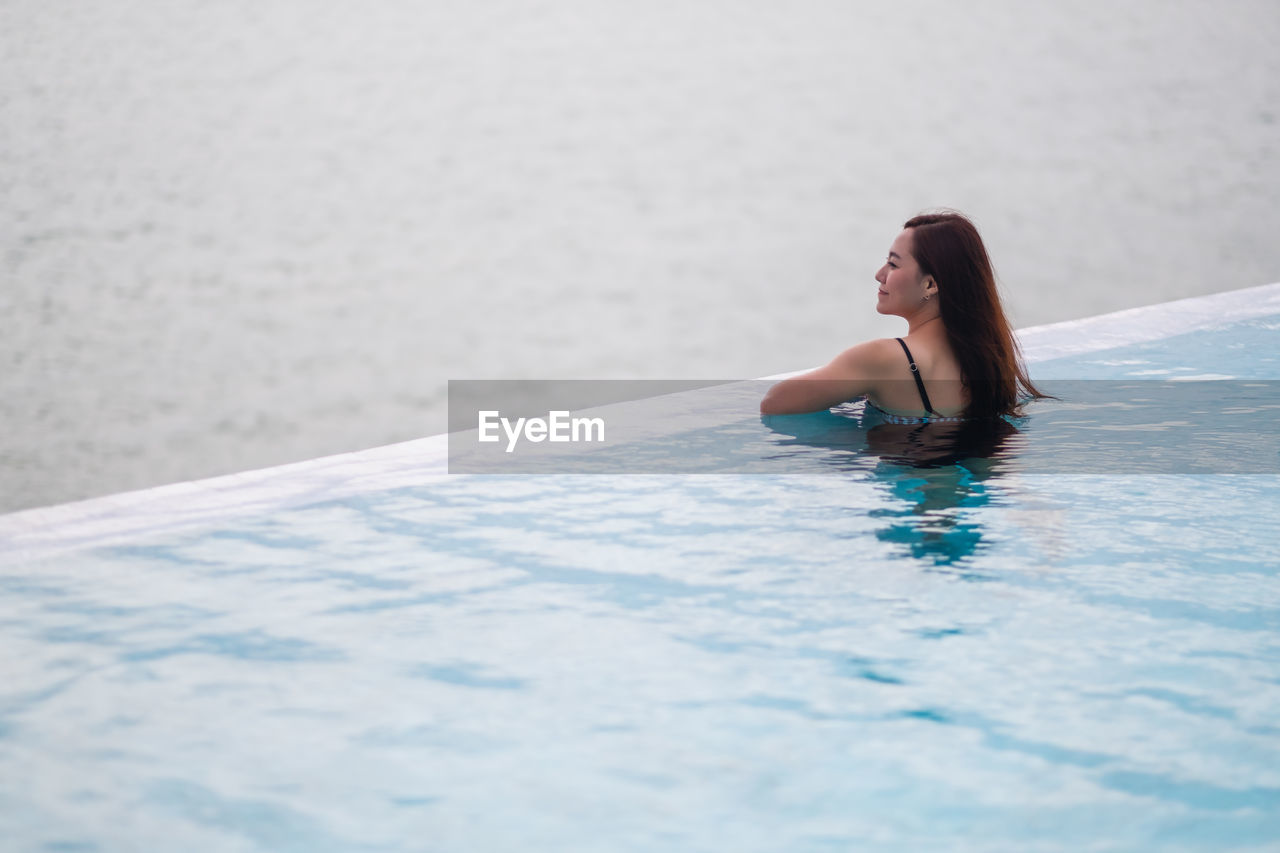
947	247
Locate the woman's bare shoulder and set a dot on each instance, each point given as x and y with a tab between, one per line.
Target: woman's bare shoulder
851	374
871	359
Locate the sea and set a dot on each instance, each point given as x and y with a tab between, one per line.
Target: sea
240	234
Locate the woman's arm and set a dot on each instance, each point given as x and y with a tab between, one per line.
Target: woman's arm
851	374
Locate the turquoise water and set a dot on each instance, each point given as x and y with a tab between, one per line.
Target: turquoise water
1246	349
881	657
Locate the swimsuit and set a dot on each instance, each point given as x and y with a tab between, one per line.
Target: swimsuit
931	418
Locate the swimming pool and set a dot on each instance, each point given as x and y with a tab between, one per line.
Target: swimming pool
364	653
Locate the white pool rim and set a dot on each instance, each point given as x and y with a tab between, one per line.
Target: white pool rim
113	519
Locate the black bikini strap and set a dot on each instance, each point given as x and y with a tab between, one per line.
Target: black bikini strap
915	374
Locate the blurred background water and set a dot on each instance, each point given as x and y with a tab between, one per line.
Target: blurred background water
240	234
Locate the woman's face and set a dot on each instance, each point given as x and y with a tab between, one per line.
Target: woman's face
902	285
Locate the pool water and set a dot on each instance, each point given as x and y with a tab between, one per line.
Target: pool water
873	656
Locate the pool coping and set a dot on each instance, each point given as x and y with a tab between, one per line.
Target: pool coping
40	531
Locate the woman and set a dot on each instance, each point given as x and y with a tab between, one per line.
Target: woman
958	360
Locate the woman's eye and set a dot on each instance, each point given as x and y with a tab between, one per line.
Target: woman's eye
892	265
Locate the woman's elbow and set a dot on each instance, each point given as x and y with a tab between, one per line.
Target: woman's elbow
769	402
776	402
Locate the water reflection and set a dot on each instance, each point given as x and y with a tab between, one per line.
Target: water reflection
934	474
928	516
